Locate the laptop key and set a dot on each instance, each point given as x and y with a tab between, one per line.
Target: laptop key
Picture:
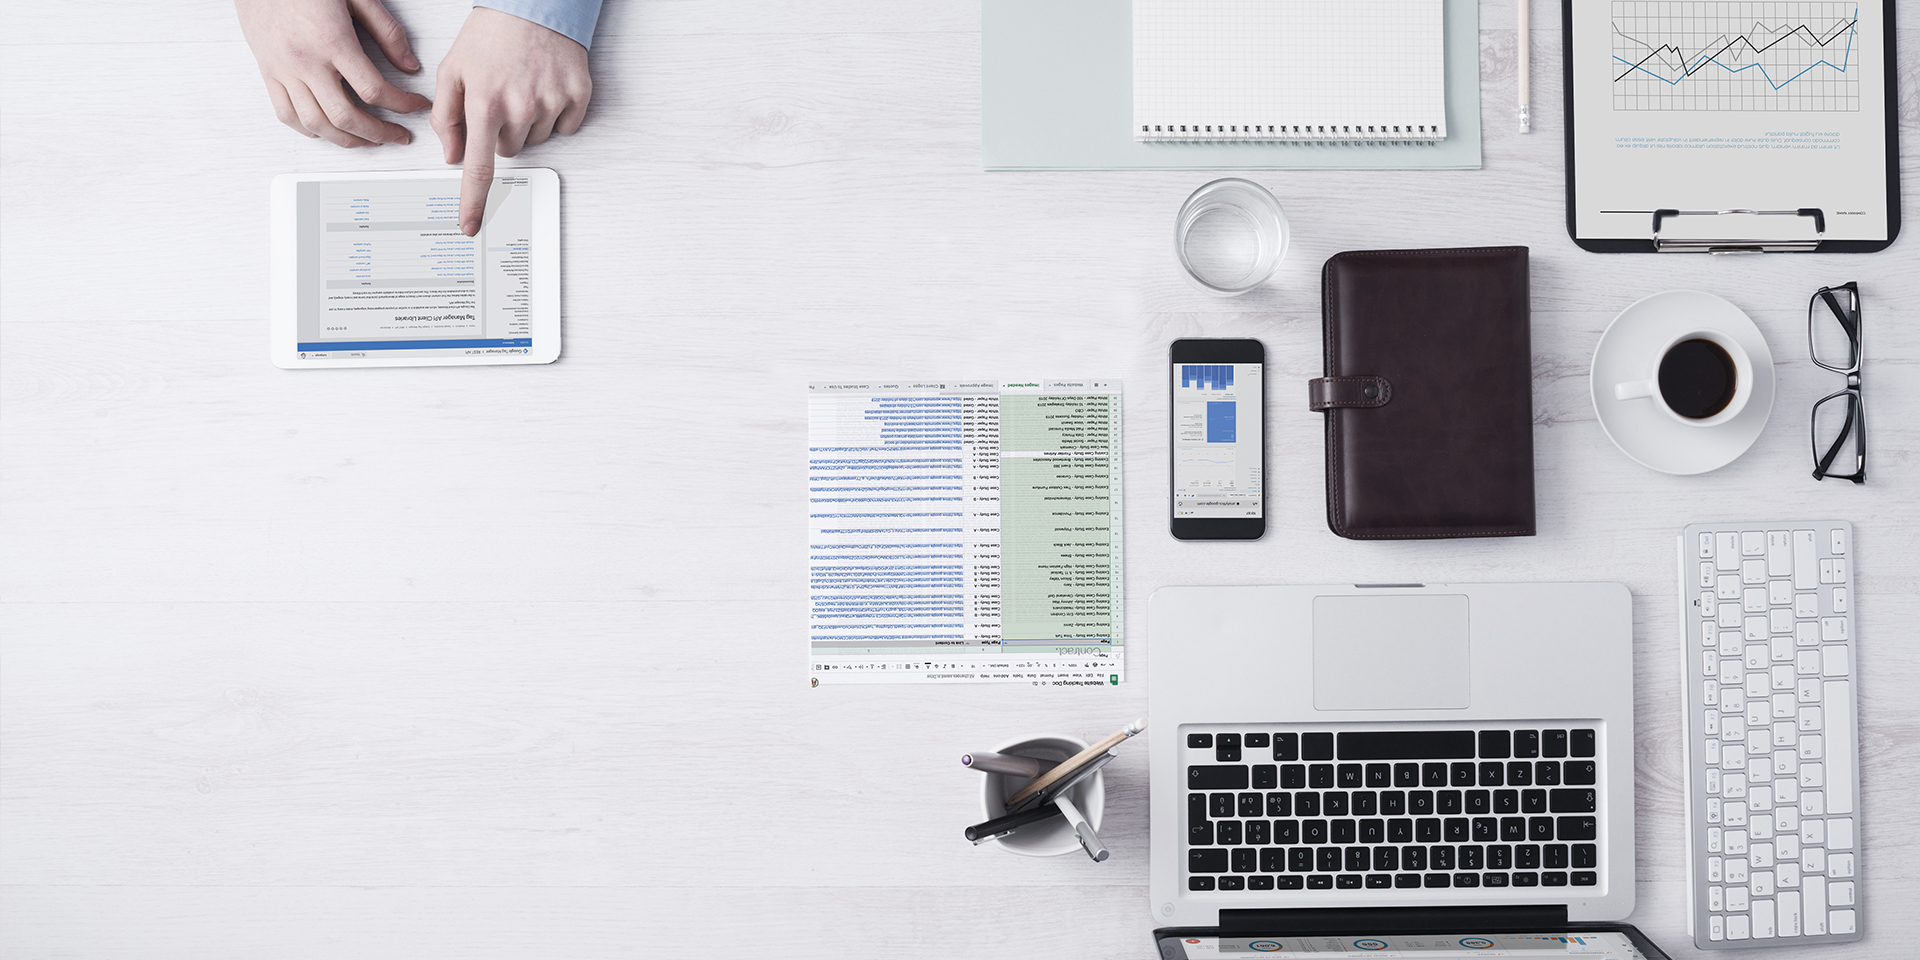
1379	881
1585	878
1466	879
1200	741
1226	748
1320	776
1554	744
1351	776
1319	881
1232	883
1461	774
1526	743
1245	859
1438	879
1319	746
1199	883
1289	882
1227	832
1200	834
1210	860
1533	801
1306	804
1252	805
1347	881
1293	776
1495	745
1586	855
1493	879
1573	800
1578	828
1407	745
1379	775
1208	777
1286	746
1405	881
1279	804
1582	744
1526	880
1553	879
1255	741
1220	805
1266	776
1259	883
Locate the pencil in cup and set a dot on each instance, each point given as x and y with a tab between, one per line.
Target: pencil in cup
1075	762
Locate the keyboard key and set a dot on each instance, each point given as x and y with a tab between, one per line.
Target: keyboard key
1466	879
1447	801
1553	879
1495	745
1519	773
1272	860
1199	883
1413	858
1333	803
1279	804
1400	830
1386	859
1316	746
1256	741
1479	801
1526	743
1315	831
1407	745
1200	741
1406	774
1506	801
1433	774
1806	563
1293	776
1556	856
1461	775
1547	772
1266	776
1320	776
1286	746
1406	881
1252	805
1306	804
1526	879
1440	856
1227	832
1365	803
1513	828
1779	554
1456	830
1220	805
1232	883
1753	543
1554	743
1486	829
1577	828
1259	832
1349	776
1342	831
1438	880
1583	743
1585	855
1203	777
1585	878
1200	834
1300	860
1319	882
1379	881
1533	801
1426	830
1244	860
1329	859
1379	775
1573	800
1393	803
1420	802
1286	831
1210	860
1289	882
1259	883
1226	748
1471	856
1582	772
1347	881
1495	774
1358	859
1541	828
1494	879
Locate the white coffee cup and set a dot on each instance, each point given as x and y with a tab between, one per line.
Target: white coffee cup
1649	388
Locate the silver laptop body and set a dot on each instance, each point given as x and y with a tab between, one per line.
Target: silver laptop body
1368	669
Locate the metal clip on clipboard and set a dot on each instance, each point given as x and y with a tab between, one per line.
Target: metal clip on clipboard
1726	245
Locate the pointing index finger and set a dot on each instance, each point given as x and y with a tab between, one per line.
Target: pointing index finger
477	172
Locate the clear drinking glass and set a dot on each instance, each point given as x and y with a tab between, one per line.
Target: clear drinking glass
1230	236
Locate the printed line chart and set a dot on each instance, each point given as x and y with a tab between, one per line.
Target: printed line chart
1768	55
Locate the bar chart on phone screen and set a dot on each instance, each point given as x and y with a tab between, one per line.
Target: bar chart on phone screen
1770	55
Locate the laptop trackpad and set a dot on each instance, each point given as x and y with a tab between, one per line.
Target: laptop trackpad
1390	653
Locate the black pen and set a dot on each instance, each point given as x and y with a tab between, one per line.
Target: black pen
980	833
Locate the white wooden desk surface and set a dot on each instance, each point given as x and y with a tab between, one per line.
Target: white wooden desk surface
510	662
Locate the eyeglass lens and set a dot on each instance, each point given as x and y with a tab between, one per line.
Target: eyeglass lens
1834	335
1837	435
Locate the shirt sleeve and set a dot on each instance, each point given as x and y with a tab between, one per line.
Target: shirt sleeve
574	19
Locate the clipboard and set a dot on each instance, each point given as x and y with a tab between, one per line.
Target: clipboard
1702	126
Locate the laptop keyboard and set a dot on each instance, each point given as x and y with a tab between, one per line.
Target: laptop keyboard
1425	808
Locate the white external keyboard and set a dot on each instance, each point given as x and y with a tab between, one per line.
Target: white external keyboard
1773	773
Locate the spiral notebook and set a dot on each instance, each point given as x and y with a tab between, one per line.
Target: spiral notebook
1326	71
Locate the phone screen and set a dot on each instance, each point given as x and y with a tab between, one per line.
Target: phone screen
1218	471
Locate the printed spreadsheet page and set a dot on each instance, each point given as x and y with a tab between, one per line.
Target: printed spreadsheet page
965	531
1701	105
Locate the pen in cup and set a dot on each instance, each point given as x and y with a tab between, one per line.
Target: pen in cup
987	761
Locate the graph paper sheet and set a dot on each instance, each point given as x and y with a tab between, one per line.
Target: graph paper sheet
1730	104
1289	70
964	531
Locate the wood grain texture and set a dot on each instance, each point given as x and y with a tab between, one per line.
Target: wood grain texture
508	662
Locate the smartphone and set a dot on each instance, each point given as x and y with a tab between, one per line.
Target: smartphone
1219	450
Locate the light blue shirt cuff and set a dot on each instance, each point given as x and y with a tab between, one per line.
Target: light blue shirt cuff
569	18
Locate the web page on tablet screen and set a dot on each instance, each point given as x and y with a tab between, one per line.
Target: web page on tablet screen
385	271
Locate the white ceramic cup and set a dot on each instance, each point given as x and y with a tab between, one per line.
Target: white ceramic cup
1053	836
1649	389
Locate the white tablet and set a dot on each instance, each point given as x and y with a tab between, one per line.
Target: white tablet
371	270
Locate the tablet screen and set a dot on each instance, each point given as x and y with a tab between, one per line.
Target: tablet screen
382	272
1602	945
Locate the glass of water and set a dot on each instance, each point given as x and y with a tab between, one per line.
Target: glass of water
1230	236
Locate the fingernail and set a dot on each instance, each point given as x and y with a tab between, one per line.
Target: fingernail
470	228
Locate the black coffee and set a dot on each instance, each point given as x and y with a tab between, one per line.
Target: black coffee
1697	378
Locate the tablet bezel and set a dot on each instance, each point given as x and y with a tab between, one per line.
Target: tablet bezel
283	316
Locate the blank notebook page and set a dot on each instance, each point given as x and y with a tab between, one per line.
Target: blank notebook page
1303	70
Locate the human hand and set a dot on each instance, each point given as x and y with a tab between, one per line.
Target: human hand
307	47
506	83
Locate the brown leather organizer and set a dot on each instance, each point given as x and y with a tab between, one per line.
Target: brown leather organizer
1428	394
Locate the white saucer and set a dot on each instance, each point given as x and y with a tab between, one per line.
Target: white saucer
1639	427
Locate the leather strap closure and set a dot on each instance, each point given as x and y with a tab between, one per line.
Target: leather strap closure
1327	393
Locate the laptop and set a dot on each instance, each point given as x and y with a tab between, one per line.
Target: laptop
1373	758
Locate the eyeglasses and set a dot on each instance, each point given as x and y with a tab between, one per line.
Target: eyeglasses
1839	419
